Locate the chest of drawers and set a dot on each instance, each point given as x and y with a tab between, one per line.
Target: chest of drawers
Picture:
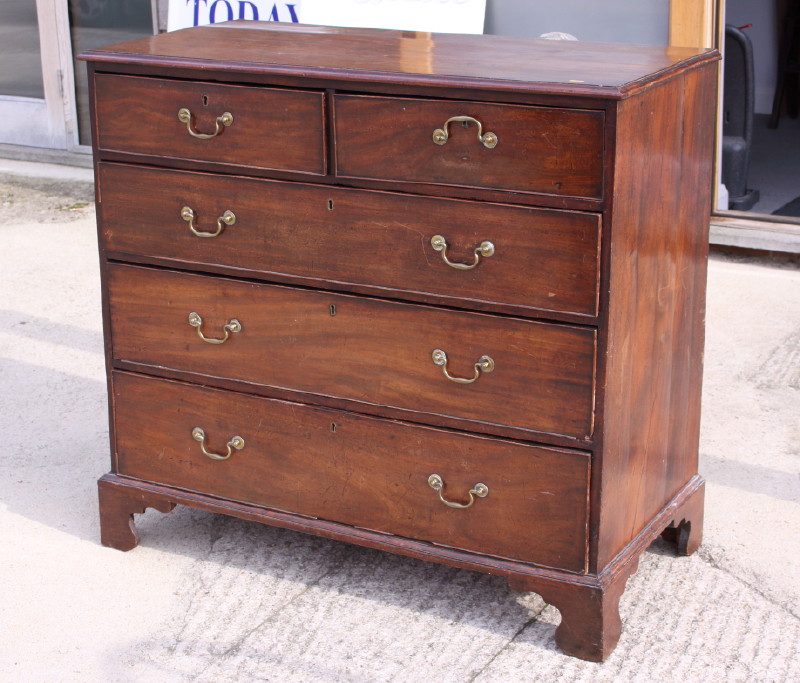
437	295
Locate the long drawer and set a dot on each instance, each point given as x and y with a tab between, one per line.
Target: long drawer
356	470
266	128
539	150
540	260
527	374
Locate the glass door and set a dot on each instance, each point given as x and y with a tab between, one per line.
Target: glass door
44	99
94	23
24	82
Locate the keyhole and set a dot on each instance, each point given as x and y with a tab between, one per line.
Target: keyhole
205	100
330	205
333	426
332	309
465	124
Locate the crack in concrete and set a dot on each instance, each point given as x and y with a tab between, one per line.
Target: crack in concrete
705	554
508	644
236	646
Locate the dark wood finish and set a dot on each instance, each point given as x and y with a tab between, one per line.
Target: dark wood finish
272	128
654	345
590	624
117	508
623	385
357	470
686	527
539	149
335	236
434	60
588	633
370	350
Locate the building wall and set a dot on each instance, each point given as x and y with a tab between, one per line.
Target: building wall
620	21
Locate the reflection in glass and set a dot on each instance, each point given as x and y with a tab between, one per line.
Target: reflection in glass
94	23
20	54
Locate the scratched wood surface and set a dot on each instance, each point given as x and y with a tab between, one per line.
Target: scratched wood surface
545	262
572	67
271	128
373	351
357	470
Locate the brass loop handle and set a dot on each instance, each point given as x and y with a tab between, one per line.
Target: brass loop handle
236	442
233	325
222	121
227	218
485	249
440	135
484	364
437	484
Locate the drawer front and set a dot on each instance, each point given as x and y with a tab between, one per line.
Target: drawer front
357	470
271	128
368	350
543	260
539	149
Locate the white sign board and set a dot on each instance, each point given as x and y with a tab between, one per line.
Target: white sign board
443	16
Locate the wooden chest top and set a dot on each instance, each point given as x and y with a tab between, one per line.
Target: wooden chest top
440	59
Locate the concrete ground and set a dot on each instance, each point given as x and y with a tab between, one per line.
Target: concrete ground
208	598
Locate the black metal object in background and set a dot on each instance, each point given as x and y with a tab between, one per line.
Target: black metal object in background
737	119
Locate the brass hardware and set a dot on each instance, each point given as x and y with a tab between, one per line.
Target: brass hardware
437	484
236	442
227	218
332	309
440	135
222	121
233	325
485	249
484	364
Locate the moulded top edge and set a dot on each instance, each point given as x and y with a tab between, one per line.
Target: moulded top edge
441	59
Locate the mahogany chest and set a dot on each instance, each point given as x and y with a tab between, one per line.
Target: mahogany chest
433	294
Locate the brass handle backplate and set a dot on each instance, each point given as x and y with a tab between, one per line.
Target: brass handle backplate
441	135
227	218
221	122
232	326
485	249
484	364
236	442
437	484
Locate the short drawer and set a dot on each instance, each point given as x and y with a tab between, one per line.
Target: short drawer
540	260
356	470
377	352
533	149
268	128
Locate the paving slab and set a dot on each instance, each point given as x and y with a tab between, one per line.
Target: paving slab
209	598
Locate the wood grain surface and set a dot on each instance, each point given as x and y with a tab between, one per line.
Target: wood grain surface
539	149
272	128
489	62
371	350
362	471
654	350
544	261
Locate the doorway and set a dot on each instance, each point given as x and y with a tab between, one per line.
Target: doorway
774	160
773	222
